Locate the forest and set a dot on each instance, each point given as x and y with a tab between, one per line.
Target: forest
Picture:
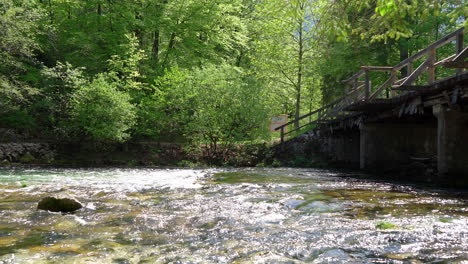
211	71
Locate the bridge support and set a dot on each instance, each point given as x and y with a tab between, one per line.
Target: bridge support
386	146
343	147
452	143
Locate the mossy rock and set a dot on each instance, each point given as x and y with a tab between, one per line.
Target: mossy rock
65	205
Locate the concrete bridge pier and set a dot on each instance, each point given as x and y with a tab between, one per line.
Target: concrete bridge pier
389	145
343	147
452	144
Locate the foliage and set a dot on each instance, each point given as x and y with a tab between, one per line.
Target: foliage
218	103
58	84
167	109
202	71
284	51
101	112
228	105
384	20
126	66
19	29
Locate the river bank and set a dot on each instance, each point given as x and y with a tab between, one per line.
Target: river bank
301	152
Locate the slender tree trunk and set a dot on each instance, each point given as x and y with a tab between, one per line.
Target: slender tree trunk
404	55
99	14
170	47
239	58
299	73
156	40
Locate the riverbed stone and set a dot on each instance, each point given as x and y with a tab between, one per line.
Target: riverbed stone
53	204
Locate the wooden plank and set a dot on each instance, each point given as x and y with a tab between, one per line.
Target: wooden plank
458	61
430	68
414	75
459	50
444	60
410	87
459	65
434	45
282	134
355	76
386	84
393	77
461	55
367	91
377	68
326	107
401	80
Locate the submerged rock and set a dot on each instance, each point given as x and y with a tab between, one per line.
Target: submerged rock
66	205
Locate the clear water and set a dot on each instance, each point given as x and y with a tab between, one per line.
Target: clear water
227	216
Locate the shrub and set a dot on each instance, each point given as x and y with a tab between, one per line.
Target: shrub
101	112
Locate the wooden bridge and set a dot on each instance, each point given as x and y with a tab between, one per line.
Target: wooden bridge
422	89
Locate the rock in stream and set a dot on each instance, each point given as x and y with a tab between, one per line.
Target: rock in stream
53	204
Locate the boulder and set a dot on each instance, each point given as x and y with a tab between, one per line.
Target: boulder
53	204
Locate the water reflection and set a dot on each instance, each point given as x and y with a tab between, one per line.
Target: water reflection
227	216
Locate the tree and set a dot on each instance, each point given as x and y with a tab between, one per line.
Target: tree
19	31
101	112
283	50
216	104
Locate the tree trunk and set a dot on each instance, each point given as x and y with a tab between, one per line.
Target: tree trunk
170	46
299	73
156	47
404	55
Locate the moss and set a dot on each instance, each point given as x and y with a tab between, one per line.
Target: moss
32	240
246	177
385	225
208	225
445	220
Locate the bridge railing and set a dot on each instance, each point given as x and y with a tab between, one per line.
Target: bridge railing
359	86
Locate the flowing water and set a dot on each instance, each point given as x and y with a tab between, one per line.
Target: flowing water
227	216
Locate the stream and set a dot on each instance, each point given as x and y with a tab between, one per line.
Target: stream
251	215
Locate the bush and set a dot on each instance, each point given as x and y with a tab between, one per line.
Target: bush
18	119
101	112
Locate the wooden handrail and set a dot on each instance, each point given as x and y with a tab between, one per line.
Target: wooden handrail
355	76
417	72
322	108
334	109
434	45
377	68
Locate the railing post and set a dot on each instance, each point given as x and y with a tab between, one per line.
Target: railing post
393	78
368	85
459	48
355	86
282	134
431	69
